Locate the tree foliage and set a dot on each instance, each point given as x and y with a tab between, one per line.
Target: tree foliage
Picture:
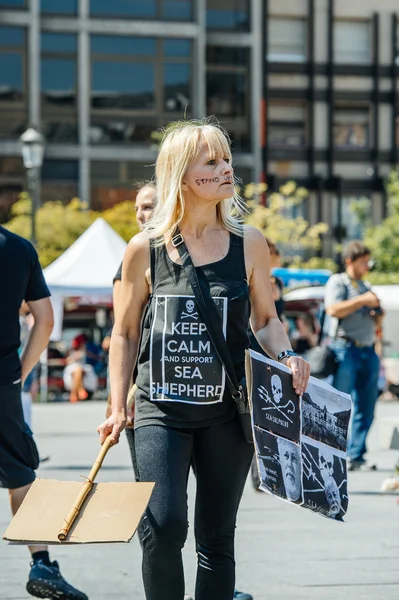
383	239
58	225
282	222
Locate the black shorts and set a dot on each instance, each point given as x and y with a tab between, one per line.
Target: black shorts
19	457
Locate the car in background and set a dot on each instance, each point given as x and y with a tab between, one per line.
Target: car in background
309	300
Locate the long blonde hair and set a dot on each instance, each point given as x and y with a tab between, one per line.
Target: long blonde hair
180	147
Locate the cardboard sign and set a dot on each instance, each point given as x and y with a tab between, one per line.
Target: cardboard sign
110	513
300	442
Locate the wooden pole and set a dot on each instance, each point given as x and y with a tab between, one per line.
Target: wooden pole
87	487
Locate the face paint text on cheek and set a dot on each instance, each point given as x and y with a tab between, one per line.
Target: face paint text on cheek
213	180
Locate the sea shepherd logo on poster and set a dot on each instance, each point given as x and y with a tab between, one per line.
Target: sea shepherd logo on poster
184	366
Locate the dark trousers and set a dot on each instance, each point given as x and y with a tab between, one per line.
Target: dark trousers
221	460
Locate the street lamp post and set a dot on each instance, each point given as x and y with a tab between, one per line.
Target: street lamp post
32	148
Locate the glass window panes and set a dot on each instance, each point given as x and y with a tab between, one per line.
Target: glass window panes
229	93
12	3
12	57
353	220
177	10
59	7
123	84
58	75
137	85
286	125
231	15
351	127
177	87
58	78
58	42
287	40
177	47
12	36
122	45
225	55
138	9
352	42
13	101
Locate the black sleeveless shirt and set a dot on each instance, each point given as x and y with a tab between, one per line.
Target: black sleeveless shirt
180	379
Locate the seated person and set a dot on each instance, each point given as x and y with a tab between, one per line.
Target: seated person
80	378
304	336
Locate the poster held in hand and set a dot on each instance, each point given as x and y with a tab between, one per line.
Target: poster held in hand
300	442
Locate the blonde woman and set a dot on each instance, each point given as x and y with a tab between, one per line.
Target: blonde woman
184	412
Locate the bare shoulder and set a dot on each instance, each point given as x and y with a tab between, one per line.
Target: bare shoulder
254	239
138	246
137	255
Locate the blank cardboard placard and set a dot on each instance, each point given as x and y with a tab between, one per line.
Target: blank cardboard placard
111	512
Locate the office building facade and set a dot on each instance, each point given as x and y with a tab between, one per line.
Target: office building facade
307	90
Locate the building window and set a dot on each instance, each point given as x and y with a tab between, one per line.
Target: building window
167	10
232	15
13	100
113	181
352	42
12	179
287	125
351	127
58	84
59	180
287	40
13	3
137	85
54	7
229	93
355	216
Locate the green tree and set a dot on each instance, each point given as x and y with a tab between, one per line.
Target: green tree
383	239
282	222
59	226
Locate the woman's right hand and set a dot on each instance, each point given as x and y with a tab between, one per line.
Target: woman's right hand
113	427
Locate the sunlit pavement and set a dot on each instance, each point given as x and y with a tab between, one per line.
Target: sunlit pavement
283	552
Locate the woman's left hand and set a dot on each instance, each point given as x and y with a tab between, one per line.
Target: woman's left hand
300	373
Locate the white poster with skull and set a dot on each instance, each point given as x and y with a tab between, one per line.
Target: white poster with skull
184	366
300	442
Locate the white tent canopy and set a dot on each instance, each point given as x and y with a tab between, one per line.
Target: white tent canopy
88	267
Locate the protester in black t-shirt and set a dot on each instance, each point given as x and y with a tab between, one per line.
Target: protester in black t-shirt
21	278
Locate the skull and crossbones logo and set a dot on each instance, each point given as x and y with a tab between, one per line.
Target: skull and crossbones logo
190	314
277	389
273	403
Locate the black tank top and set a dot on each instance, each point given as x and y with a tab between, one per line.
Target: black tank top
180	380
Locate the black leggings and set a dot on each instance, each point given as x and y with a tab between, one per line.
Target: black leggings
221	460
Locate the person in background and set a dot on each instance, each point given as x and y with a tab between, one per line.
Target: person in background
144	205
276	282
79	376
21	279
355	310
304	336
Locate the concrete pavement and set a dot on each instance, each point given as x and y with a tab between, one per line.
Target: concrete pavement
283	551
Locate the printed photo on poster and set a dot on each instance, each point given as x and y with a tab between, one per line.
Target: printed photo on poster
279	466
184	366
325	415
275	404
325	483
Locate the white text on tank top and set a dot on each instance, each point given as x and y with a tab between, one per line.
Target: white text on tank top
184	366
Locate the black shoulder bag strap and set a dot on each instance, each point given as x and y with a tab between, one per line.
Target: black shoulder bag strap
211	320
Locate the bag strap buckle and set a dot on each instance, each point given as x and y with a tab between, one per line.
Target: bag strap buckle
177	239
